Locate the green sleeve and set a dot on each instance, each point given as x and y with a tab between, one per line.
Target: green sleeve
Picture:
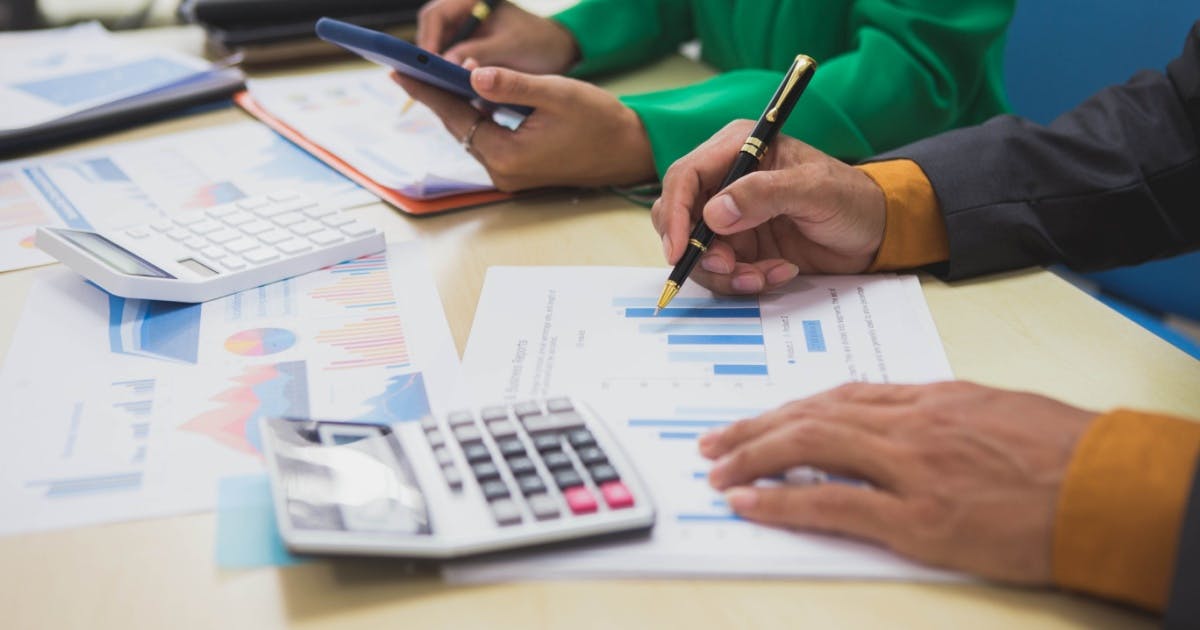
913	71
620	34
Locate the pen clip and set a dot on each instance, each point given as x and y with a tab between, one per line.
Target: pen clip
802	63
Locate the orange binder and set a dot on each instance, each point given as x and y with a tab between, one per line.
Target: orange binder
407	204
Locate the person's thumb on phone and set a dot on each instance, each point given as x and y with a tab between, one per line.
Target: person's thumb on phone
501	85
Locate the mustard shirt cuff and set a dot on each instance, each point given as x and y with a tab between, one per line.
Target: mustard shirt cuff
915	232
1122	505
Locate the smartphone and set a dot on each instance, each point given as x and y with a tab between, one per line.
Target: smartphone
417	63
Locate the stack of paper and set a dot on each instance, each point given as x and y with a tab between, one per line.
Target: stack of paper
158	401
122	185
661	381
75	80
361	119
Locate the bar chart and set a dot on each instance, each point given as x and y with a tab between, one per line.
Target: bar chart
104	448
362	284
711	336
671	437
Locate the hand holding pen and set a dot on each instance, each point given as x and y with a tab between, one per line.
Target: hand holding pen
496	33
756	145
799	211
480	11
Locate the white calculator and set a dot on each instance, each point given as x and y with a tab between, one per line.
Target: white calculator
495	478
199	255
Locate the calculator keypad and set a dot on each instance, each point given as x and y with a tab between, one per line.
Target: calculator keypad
530	460
256	230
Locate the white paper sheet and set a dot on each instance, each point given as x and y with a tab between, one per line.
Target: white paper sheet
121	409
46	75
660	382
359	117
140	182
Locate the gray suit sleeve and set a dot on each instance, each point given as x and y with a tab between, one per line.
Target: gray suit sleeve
1183	608
1115	181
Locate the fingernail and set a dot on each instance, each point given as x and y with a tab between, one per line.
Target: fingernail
715	264
717	475
747	283
484	78
782	273
666	247
741	499
724	212
709	440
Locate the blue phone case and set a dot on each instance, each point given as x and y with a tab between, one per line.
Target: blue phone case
410	61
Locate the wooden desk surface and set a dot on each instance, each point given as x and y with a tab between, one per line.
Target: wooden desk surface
1027	330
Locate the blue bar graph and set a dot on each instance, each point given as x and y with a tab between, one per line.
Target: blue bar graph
138	386
700	518
727	412
814	338
718	357
676	422
678	435
715	336
136	407
90	485
715	340
651	302
668	328
702	313
740	370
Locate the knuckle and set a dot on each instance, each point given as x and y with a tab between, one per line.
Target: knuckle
805	435
850	390
430	10
675	171
771	503
827	500
503	164
737	431
657	218
929	517
737	127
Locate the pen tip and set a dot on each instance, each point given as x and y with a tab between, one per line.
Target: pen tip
668	294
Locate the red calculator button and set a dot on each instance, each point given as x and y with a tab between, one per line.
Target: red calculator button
616	495
580	500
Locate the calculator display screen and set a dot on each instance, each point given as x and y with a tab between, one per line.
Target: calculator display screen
112	254
345	477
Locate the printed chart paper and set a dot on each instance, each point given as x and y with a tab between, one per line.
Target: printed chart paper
50	74
660	382
360	117
135	183
121	409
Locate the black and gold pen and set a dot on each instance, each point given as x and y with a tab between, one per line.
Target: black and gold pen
753	149
479	13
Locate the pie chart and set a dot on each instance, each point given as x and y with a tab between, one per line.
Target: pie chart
258	342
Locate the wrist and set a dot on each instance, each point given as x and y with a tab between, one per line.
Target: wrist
563	46
635	164
914	231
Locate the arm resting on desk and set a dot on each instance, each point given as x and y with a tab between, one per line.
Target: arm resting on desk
1125	520
1121	508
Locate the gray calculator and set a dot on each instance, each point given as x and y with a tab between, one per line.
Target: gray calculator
475	481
